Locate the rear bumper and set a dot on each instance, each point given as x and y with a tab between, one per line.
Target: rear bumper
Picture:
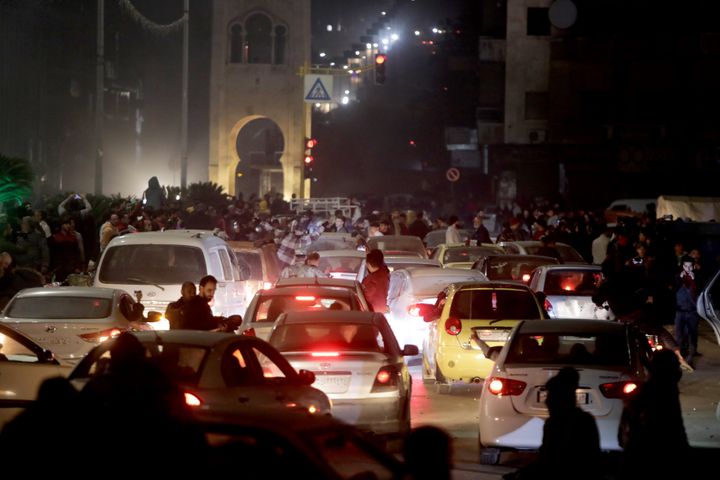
378	415
458	364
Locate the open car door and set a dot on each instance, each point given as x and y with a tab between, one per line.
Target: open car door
708	305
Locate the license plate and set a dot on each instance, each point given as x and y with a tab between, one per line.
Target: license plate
581	398
493	335
332	383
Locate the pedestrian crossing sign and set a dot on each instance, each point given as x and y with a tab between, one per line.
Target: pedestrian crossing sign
318	88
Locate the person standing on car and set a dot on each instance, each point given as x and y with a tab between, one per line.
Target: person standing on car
377	283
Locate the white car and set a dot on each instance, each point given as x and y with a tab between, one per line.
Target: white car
706	305
70	321
219	372
409	287
357	362
531	247
568	290
611	358
397	263
24	365
464	256
342	264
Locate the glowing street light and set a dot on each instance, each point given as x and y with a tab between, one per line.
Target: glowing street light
357	52
329	28
345	67
332	64
368	46
347	92
435	30
395	37
375	45
417	33
383	13
322	54
345	100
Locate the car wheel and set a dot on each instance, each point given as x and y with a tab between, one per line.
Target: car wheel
489	456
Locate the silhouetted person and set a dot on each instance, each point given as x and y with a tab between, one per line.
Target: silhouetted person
175	312
428	454
377	282
652	426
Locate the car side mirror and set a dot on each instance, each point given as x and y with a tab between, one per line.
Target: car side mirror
410	351
153	316
307	377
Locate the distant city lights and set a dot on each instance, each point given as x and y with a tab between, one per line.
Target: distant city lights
375	45
385	41
368	46
347	92
357	52
345	100
383	13
417	33
332	64
345	67
322	54
329	28
395	37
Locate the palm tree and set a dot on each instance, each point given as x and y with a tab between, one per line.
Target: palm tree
16	179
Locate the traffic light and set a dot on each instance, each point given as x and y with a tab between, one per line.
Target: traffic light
308	158
380	62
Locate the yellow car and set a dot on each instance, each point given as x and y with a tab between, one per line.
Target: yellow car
459	255
468	317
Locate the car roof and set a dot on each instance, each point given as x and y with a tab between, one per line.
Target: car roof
391	260
179	237
567	326
512	256
329	282
336	316
441	272
341	253
85	292
530	243
187	337
490	285
571	266
305	289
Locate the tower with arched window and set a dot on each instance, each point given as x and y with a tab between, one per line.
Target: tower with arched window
258	117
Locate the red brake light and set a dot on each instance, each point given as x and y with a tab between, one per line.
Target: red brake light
548	305
618	389
526	278
250	332
453	326
101	336
192	400
386	379
305	298
506	386
325	354
414	310
267	285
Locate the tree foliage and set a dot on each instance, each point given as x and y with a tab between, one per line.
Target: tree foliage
16	179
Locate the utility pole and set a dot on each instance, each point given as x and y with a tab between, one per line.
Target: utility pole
184	108
99	96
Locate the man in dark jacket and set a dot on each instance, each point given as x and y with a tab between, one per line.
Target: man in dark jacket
419	228
198	314
377	283
481	234
175	312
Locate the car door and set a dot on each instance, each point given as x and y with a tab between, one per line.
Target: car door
708	305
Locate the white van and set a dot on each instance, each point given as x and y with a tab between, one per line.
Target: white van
157	263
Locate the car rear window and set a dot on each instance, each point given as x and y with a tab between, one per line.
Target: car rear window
271	306
470	254
60	308
569	349
253	260
513	268
340	264
494	304
152	264
323	337
571	282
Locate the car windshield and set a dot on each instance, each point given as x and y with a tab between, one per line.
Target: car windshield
271	306
340	264
152	264
252	259
55	307
514	268
494	304
431	286
605	349
467	254
398	245
566	252
571	282
182	363
320	337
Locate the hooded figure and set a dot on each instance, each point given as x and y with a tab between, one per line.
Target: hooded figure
154	196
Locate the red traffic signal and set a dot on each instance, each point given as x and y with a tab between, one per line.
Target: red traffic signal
310	143
380	58
308	159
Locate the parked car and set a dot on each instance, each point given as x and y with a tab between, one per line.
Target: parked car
342	264
412	286
566	253
157	263
486	310
398	245
357	362
70	321
610	357
350	285
398	263
464	256
568	290
219	372
268	305
24	365
511	268
269	444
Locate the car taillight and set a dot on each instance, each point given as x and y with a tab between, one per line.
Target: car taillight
192	400
453	326
506	386
101	336
305	298
526	278
618	389
548	306
325	354
386	379
250	332
267	285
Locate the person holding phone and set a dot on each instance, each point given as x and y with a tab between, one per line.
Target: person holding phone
74	203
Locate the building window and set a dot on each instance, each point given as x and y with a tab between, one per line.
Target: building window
259	39
280	44
236	44
538	22
536	106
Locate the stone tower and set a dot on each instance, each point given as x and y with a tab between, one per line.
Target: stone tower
258	117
